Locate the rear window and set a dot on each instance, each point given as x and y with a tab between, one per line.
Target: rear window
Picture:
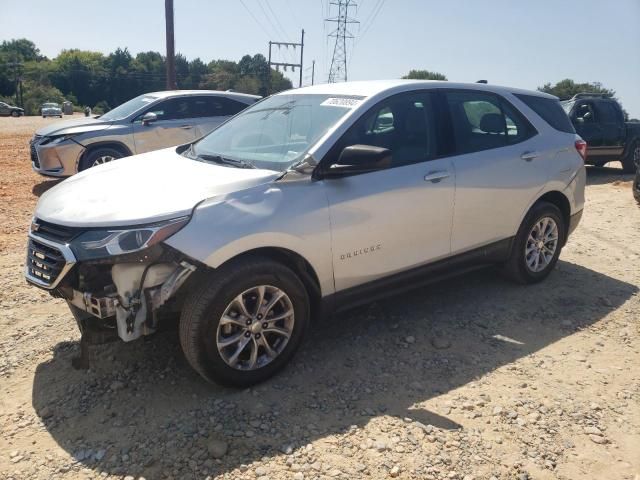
550	110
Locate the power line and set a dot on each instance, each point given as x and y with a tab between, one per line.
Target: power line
254	18
375	13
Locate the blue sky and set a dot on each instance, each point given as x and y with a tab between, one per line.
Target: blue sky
518	43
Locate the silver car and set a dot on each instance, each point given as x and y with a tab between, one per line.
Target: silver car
51	110
145	123
306	203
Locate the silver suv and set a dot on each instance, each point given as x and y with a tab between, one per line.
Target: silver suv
145	123
306	203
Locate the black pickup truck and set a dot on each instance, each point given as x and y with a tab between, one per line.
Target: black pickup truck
599	120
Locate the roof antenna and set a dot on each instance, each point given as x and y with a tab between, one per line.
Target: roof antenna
481	81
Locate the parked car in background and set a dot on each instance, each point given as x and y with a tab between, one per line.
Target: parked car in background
310	201
599	120
7	110
50	110
145	123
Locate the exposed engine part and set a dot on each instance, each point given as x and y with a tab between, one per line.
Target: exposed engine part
140	290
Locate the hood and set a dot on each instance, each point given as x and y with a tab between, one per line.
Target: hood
142	189
78	125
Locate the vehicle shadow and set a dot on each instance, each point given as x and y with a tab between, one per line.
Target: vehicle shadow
142	411
39	188
604	175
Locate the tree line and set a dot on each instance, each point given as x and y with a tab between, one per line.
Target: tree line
102	81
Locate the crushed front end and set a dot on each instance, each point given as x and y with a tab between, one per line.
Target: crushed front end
119	278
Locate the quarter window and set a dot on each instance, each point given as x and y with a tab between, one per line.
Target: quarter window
483	121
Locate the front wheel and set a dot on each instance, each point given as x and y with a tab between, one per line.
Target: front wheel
245	322
537	245
15	114
631	162
99	156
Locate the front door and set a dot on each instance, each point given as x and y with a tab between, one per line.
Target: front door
175	125
391	220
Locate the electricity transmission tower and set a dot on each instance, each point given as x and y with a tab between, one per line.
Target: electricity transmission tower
338	70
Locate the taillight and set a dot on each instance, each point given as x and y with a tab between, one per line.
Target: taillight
581	147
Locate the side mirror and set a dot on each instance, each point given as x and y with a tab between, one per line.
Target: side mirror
149	118
359	159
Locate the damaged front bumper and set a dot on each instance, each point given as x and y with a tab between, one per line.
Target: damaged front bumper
131	289
135	309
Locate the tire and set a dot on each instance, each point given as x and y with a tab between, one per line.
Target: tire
517	267
201	328
98	157
636	187
15	114
631	161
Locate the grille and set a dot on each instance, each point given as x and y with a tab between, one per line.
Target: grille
44	263
34	152
51	231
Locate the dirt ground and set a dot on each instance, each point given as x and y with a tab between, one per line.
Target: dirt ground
474	378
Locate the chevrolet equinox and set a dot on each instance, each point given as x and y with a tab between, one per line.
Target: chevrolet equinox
308	202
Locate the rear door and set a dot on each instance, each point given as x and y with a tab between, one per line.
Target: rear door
211	111
611	120
175	125
497	160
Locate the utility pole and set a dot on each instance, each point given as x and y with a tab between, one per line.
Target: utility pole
171	54
338	70
313	72
284	65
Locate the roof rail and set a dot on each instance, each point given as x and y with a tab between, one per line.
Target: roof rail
590	95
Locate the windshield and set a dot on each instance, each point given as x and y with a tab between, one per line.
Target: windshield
50	105
275	133
127	108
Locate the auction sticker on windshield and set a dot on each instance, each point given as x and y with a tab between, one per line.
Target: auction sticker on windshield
342	102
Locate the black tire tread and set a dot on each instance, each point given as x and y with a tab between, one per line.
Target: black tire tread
87	159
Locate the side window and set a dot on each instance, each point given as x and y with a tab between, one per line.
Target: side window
584	113
172	109
403	124
607	113
211	106
483	121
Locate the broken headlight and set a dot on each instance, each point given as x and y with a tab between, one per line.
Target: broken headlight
95	244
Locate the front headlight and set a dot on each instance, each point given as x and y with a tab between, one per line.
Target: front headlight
54	140
95	244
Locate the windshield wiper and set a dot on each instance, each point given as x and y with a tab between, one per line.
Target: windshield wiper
225	161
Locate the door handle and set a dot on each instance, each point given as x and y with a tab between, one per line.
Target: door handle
186	127
435	177
528	156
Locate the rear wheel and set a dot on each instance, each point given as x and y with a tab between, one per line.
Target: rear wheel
245	322
631	162
99	156
15	114
537	244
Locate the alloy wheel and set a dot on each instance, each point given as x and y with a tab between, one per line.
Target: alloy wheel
103	159
542	244
255	327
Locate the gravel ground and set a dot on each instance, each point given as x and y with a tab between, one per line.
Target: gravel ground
474	378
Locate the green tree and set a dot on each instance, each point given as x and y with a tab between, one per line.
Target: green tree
424	75
567	88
